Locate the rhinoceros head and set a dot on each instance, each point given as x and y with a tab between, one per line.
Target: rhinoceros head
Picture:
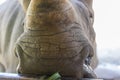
58	37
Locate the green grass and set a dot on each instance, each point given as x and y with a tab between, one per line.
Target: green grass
55	76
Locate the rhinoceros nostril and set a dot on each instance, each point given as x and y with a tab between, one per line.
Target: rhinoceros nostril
88	60
19	70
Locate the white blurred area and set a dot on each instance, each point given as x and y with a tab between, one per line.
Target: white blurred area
1	1
106	25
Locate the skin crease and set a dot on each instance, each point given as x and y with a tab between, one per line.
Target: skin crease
74	39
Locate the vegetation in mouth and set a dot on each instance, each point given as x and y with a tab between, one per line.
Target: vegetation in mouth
55	76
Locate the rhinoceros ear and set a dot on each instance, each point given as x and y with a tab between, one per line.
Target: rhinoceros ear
89	2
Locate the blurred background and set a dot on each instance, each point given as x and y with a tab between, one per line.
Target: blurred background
1	1
106	25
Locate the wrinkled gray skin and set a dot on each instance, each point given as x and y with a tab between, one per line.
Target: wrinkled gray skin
12	18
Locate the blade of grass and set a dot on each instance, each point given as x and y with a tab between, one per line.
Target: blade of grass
55	76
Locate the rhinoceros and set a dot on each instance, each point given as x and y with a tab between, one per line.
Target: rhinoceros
41	37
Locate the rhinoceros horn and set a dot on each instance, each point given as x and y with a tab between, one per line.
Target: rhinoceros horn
42	14
25	3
